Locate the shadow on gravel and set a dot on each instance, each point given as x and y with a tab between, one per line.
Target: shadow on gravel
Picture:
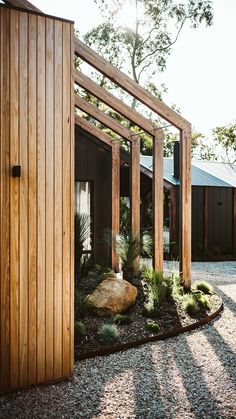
199	396
228	301
223	352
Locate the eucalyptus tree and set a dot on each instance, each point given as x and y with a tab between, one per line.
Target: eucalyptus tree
137	36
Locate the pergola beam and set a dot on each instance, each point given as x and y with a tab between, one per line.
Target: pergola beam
113	102
129	85
100	116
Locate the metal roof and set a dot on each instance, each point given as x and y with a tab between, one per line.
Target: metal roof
204	173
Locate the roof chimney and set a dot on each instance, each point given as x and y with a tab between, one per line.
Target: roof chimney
176	159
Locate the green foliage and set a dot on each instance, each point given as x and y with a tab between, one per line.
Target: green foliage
190	304
108	333
203	286
152	326
121	319
129	247
82	231
159	290
80	331
202	299
143	48
177	287
225	137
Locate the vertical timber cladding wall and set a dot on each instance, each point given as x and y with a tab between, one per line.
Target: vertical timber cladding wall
36	226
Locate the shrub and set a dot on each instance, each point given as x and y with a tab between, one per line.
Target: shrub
203	286
190	304
80	331
121	319
108	333
150	311
202	299
152	326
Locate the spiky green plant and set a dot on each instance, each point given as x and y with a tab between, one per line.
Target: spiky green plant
108	333
129	247
152	326
121	319
203	286
82	231
202	299
190	304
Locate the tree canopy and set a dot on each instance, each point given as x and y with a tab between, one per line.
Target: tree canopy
141	48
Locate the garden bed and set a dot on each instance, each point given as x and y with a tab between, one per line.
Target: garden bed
172	319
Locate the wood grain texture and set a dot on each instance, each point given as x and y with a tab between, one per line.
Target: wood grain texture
36	258
157	201
41	251
58	201
100	116
5	202
14	203
113	102
32	179
67	200
185	206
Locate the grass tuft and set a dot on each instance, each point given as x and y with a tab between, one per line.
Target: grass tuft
121	319
203	286
152	326
190	304
108	333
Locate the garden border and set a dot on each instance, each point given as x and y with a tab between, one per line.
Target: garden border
162	336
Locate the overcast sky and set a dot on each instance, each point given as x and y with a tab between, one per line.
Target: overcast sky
201	71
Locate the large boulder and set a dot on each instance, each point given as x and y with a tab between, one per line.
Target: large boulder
112	296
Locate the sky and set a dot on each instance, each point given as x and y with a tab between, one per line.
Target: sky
201	70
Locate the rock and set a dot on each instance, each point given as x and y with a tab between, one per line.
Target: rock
112	296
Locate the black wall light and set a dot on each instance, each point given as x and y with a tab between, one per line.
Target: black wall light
16	171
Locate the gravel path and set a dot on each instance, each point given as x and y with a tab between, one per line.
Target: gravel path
190	376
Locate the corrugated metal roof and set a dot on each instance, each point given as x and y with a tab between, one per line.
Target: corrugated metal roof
204	173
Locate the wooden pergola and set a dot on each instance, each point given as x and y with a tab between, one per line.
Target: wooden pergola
37	124
138	92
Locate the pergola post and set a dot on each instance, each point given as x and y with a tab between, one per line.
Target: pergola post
185	206
115	201
135	190
157	201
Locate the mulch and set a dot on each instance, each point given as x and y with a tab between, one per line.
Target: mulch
172	319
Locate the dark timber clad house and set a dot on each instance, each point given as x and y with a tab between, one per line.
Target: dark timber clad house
213	206
38	182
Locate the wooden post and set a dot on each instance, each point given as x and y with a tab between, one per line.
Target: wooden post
115	200
157	201
185	206
135	190
205	218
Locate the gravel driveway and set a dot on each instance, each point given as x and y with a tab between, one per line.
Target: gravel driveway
190	376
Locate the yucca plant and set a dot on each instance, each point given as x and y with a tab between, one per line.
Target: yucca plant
129	248
82	231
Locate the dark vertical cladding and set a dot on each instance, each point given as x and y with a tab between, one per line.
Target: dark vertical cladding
176	159
93	163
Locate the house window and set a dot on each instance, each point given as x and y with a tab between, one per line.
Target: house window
83	208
